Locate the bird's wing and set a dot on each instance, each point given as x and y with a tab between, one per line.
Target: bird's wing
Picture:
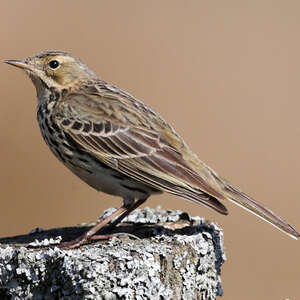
140	145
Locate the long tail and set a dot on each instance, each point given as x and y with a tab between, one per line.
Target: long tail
243	200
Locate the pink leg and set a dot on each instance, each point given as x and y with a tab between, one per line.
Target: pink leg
127	212
88	235
119	219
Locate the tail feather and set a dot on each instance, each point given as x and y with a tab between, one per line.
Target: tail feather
246	202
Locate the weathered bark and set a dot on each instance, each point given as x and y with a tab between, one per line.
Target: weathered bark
168	255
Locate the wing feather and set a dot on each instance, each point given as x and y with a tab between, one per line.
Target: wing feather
141	152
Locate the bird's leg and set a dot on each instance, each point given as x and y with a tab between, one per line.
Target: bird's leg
121	213
127	212
119	219
88	235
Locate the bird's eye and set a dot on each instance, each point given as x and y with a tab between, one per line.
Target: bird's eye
53	64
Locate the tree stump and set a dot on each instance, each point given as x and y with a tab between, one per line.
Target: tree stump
157	255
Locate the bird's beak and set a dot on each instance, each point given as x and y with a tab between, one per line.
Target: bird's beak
19	64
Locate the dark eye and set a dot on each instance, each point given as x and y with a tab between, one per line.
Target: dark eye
53	64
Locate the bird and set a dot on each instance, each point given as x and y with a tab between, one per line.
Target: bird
120	146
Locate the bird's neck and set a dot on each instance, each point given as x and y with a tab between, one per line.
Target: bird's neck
47	97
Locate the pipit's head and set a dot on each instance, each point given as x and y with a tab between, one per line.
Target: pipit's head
53	69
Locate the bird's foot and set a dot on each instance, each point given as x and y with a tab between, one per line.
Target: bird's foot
84	239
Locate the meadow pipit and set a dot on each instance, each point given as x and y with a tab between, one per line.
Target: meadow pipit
119	145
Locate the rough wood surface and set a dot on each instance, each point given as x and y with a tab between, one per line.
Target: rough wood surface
168	255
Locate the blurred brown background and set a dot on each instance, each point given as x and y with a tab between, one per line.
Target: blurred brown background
224	73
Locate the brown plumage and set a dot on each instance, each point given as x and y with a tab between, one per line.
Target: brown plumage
119	145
